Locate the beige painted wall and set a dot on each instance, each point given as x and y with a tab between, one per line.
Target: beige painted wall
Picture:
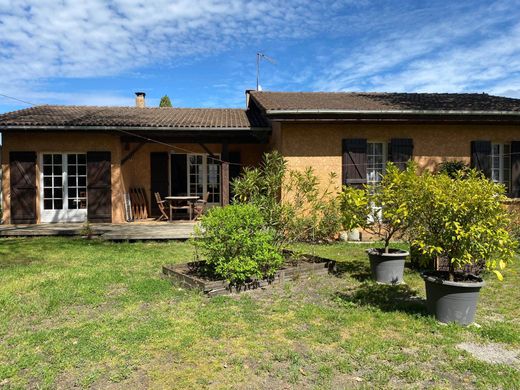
319	145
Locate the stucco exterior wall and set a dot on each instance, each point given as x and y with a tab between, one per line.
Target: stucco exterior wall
63	143
135	172
319	144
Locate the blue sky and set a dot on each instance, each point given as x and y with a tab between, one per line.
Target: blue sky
202	52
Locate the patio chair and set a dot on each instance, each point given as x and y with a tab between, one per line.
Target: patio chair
162	209
199	206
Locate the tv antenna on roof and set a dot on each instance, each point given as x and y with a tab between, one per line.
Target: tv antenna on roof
261	56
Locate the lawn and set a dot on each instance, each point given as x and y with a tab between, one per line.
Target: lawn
77	313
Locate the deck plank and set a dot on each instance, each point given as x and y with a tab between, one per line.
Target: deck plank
110	232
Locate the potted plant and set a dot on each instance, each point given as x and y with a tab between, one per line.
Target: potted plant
463	224
384	211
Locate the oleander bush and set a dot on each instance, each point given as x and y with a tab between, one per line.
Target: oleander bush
295	204
236	244
453	168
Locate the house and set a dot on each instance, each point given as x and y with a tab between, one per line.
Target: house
70	163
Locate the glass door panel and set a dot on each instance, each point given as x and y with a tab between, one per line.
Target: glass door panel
195	175
213	180
204	177
64	187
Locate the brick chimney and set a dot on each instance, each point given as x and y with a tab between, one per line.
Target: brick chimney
139	99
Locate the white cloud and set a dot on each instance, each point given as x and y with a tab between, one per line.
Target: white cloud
477	50
45	39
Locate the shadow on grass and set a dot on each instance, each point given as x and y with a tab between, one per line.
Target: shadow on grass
359	270
386	298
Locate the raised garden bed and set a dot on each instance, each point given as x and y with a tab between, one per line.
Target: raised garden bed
191	275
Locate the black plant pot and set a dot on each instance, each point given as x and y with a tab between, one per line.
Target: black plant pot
452	301
388	267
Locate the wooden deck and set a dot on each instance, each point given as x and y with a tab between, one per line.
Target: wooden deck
112	232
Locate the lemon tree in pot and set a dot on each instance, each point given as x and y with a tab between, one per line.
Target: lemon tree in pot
462	222
385	211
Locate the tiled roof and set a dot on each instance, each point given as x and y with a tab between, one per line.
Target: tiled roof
360	101
85	116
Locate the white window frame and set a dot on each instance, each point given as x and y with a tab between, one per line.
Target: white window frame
64	214
384	156
504	166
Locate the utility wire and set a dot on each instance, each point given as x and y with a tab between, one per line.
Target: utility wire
137	135
18	100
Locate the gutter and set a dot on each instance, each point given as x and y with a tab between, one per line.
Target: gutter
390	112
131	128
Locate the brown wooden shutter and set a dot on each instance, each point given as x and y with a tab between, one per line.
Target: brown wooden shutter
515	169
354	162
179	175
99	187
481	156
159	178
22	167
401	151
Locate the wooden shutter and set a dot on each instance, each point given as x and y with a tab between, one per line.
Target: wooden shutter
159	178
99	187
354	162
515	169
481	156
22	167
401	151
179	175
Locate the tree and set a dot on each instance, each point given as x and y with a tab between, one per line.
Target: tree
165	102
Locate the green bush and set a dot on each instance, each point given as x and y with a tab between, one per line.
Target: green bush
386	210
236	245
453	168
293	203
463	220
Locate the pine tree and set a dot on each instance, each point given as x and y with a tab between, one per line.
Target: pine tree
165	102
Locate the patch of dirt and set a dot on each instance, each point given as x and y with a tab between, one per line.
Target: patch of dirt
309	289
115	290
492	353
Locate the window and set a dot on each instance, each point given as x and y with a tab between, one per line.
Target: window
501	164
376	161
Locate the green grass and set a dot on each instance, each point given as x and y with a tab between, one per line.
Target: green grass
94	314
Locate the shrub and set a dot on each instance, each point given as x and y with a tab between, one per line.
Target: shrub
236	244
462	219
293	203
385	210
453	168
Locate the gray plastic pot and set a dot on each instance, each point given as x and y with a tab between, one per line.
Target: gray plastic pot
452	301
388	267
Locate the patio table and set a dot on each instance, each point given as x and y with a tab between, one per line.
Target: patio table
181	202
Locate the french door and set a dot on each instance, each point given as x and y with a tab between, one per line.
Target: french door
63	187
204	176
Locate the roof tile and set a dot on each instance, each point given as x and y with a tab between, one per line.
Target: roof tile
84	116
366	101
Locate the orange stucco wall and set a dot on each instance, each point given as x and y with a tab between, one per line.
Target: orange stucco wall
133	173
318	145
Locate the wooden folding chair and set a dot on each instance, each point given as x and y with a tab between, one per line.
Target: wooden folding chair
162	209
199	206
